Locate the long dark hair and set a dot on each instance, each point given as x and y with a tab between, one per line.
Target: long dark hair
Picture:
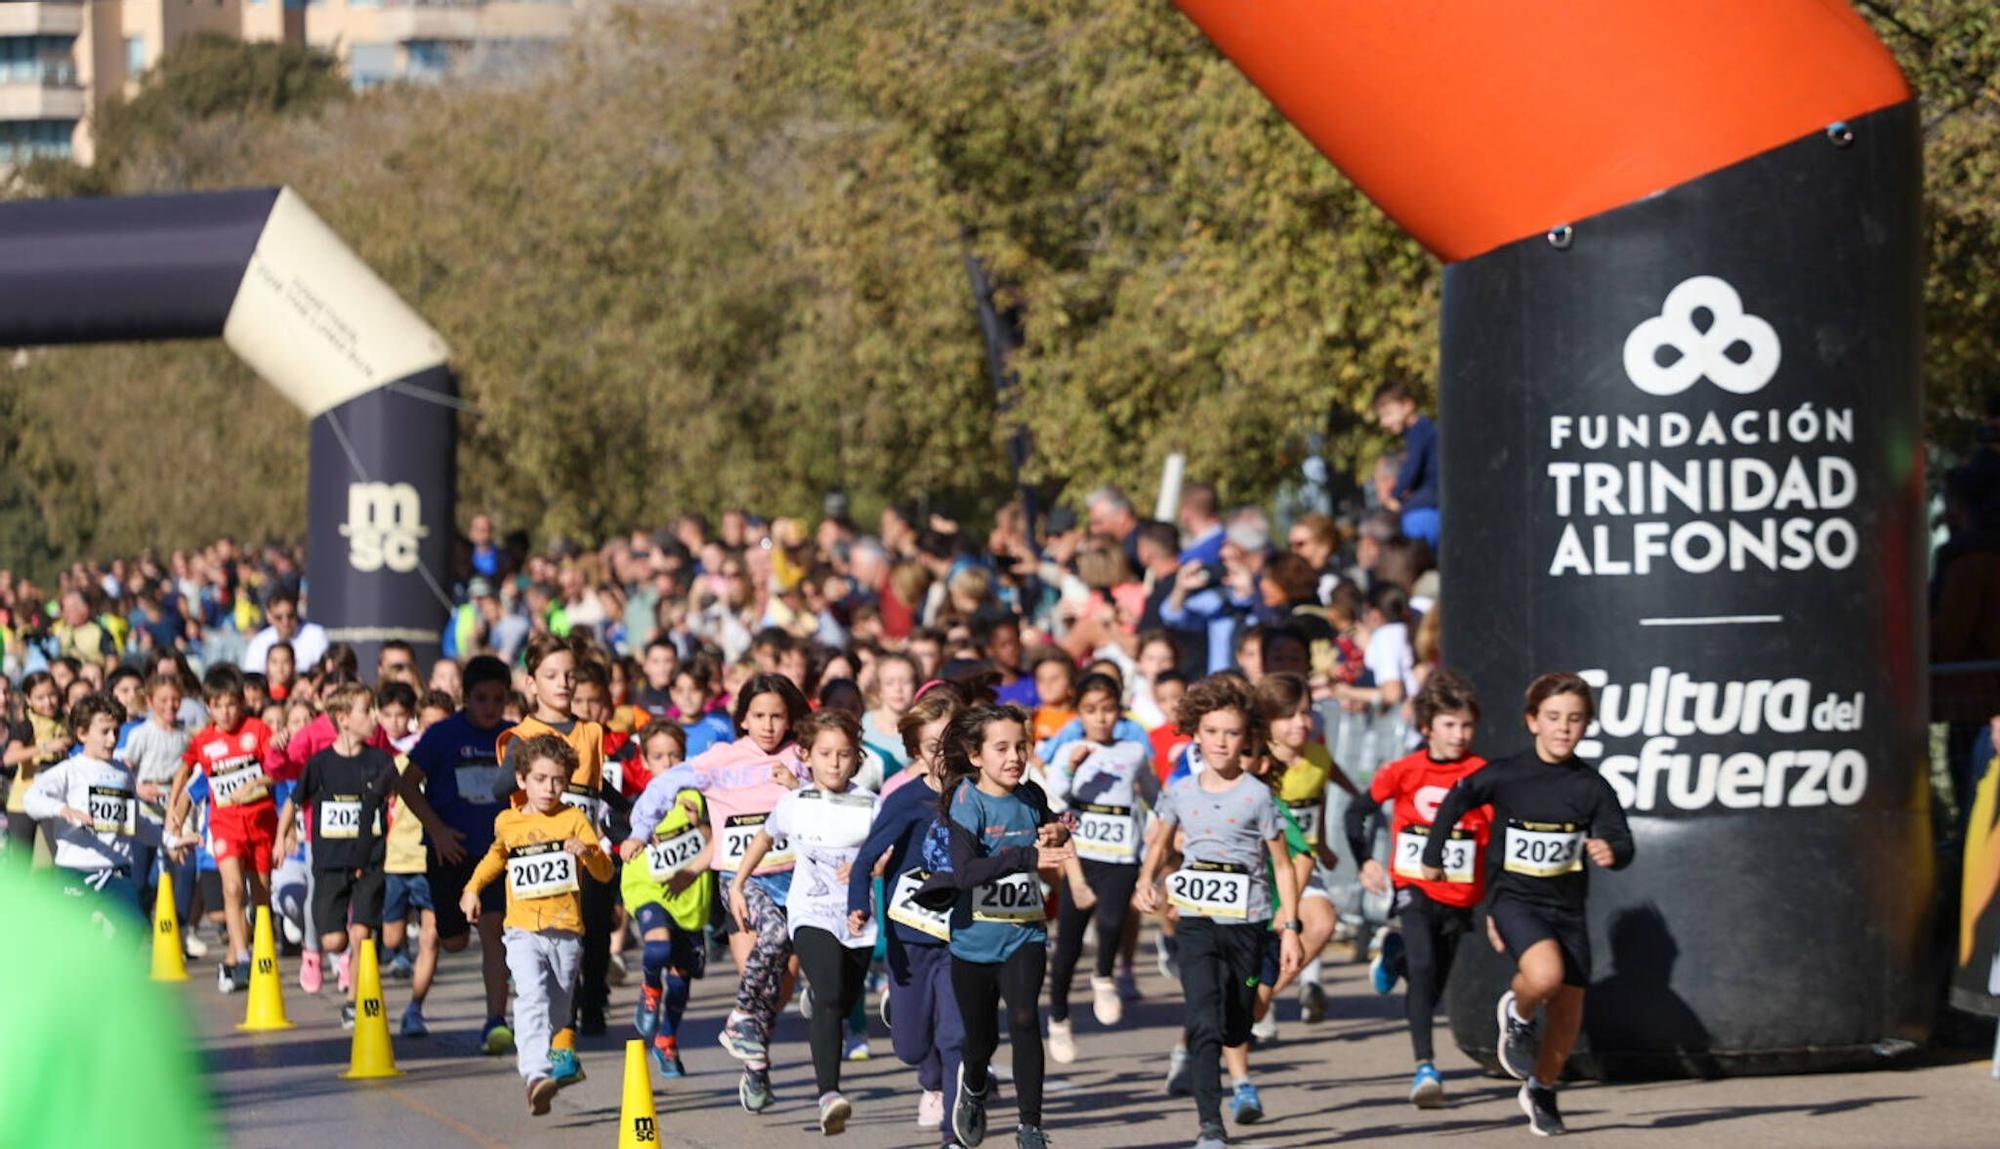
964	738
796	706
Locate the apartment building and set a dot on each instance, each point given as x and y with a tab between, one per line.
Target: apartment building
62	59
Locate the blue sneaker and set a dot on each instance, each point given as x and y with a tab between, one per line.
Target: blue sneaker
497	1039
753	1090
667	1054
1246	1107
564	1067
1427	1088
741	1044
646	1019
1387	968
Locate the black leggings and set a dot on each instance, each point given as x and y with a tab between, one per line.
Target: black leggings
1113	884
20	837
1431	933
598	901
1220	962
839	976
979	988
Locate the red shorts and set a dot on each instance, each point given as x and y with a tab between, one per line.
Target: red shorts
249	833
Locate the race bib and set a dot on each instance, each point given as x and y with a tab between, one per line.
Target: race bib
224	787
1106	833
665	859
112	811
340	818
1544	849
836	821
1461	854
904	910
1306	814
542	870
1219	890
585	799
738	831
1016	899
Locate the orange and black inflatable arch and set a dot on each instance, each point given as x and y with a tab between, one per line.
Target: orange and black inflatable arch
1679	420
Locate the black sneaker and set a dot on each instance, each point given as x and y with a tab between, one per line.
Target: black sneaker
1211	1137
1539	1103
1519	1042
1030	1137
968	1115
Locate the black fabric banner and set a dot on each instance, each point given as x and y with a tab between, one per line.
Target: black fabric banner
379	509
1682	455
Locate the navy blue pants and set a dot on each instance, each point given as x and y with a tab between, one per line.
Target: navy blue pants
926	1028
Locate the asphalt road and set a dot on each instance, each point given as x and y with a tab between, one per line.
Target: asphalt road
1341	1081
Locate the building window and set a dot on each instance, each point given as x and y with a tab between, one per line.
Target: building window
42	60
429	59
135	57
24	140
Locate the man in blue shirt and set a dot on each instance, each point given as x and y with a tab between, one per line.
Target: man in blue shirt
1416	492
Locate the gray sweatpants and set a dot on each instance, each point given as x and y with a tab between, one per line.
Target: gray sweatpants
544	968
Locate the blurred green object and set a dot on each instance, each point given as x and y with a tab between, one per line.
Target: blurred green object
94	1053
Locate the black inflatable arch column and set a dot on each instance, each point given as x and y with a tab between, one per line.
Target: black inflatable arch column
261	271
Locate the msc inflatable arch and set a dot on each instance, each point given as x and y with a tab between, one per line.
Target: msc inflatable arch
259	269
1681	454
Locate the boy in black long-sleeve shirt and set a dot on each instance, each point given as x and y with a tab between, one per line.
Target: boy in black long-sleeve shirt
1550	812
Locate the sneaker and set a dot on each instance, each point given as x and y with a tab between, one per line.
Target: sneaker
1519	1042
564	1066
667	1055
312	975
590	1021
226	979
1179	1081
413	1021
1030	1137
968	1117
1062	1044
1386	969
805	1001
617	971
1245	1106
1312	1003
1266	1031
1211	1137
1128	987
646	1019
347	1015
833	1114
341	965
194	947
858	1048
1427	1088
1539	1103
541	1091
1105	1002
741	1044
497	1039
1169	961
753	1090
930	1109
400	969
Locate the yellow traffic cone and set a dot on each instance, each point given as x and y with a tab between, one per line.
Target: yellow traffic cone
267	995
638	1124
371	1056
168	965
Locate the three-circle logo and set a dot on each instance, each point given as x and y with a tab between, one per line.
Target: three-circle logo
1702	352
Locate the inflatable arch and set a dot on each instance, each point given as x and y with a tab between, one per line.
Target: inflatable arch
260	270
1681	453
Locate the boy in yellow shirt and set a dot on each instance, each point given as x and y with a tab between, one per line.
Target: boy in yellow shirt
540	846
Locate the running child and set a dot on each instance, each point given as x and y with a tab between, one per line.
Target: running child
1004	843
405	892
243	819
928	1033
343	793
1231	827
1551	810
824	824
40	740
1108	784
540	847
1435	916
668	891
153	750
92	808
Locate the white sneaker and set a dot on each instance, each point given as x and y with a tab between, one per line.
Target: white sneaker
616	972
930	1109
1062	1045
834	1111
1105	1002
1266	1031
192	945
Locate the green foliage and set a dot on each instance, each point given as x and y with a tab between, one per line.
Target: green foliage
714	256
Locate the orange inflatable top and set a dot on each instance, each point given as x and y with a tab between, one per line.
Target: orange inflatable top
1474	123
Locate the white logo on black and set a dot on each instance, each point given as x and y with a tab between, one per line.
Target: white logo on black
384	525
1701	353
